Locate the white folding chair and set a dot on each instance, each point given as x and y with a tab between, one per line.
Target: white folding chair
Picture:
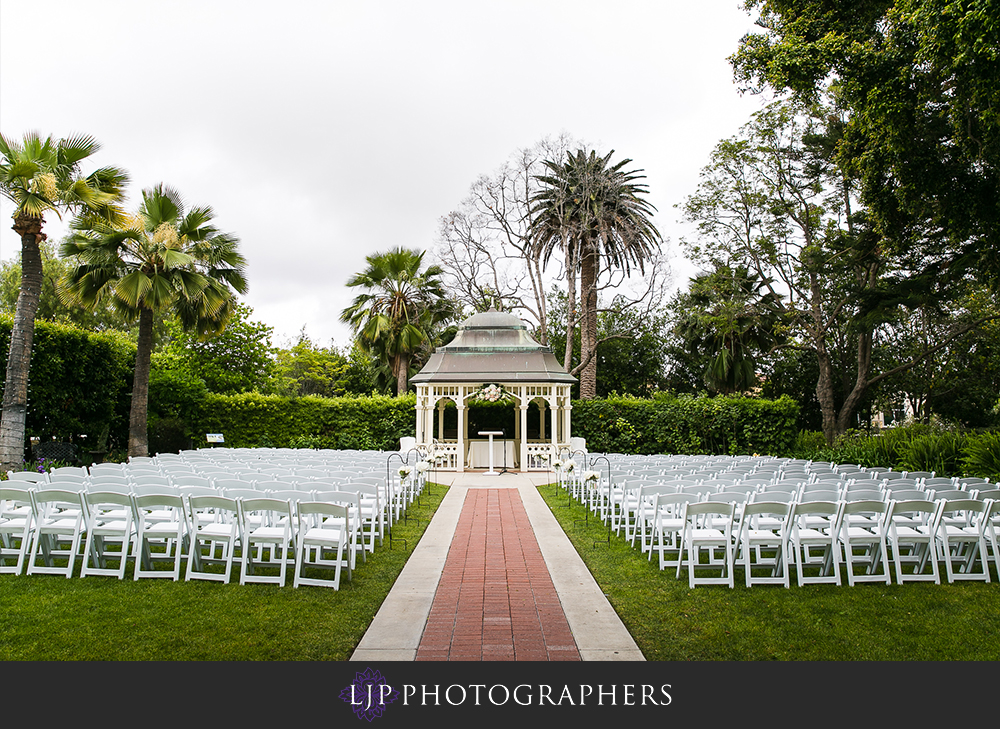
708	525
59	521
323	527
266	525
110	533
161	521
961	535
16	522
215	535
815	525
863	529
763	542
911	537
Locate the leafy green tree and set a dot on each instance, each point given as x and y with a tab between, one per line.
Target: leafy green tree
163	260
305	368
918	82
632	347
732	318
595	214
41	176
237	359
774	201
401	304
51	306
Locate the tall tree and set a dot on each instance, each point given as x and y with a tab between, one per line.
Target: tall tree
594	213
40	176
162	260
401	304
731	319
484	246
918	79
773	200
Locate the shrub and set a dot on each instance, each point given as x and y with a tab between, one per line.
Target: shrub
982	456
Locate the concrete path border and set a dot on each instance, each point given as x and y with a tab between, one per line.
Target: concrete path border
395	632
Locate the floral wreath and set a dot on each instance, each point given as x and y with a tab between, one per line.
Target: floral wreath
491	393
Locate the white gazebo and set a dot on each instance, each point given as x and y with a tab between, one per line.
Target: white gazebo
494	357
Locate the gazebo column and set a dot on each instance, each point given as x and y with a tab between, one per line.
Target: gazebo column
440	409
523	437
462	435
541	420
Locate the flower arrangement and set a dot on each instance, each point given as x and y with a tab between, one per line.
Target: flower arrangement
405	471
557	465
422	466
591	476
491	393
568	465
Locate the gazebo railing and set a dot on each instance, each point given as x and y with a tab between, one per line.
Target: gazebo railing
540	456
446	456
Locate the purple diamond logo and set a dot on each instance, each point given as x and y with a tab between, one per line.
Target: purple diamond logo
369	694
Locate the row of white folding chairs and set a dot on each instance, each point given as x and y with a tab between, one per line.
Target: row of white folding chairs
397	493
50	525
639	509
918	533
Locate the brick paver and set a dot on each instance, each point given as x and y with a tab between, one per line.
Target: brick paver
495	600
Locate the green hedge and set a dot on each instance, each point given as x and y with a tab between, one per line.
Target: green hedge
687	424
251	419
79	382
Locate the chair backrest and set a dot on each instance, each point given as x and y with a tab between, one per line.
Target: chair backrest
95	499
28	476
862	506
773	496
951	495
273	511
807	497
923	507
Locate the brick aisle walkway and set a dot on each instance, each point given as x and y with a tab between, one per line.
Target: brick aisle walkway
495	600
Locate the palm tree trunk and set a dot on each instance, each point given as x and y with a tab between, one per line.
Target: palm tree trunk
402	375
15	392
588	325
138	428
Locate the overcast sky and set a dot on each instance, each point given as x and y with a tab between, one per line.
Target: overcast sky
321	132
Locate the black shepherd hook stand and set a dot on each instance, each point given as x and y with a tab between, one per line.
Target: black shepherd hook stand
388	482
593	461
586	511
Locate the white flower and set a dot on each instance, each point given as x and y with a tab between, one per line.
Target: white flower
423	466
591	475
568	465
405	471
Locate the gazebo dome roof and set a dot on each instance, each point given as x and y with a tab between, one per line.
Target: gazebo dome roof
492	346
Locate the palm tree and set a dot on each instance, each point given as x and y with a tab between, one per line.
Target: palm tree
161	260
592	211
399	309
40	176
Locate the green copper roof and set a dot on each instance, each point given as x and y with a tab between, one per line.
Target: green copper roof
493	346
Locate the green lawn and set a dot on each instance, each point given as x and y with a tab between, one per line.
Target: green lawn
867	622
47	617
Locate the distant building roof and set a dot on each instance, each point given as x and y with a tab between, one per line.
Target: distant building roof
492	346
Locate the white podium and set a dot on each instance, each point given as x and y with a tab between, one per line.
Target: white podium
491	433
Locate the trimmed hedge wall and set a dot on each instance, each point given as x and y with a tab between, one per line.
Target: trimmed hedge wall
79	382
666	424
251	419
687	424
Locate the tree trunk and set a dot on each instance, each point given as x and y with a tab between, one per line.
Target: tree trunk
825	396
138	427
588	325
402	367
15	393
571	314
